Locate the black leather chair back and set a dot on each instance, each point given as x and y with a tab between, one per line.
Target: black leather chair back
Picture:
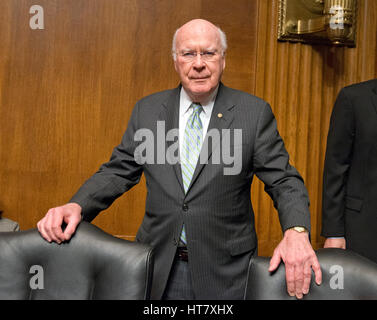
92	265
345	276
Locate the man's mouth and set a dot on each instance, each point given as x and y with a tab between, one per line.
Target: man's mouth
199	79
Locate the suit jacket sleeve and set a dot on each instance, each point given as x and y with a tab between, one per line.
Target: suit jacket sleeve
282	181
113	178
337	163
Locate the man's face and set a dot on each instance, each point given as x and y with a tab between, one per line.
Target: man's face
199	74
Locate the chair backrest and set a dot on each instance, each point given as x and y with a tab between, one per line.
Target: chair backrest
345	276
92	265
7	225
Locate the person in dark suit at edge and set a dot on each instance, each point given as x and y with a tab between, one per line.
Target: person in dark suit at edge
349	212
198	216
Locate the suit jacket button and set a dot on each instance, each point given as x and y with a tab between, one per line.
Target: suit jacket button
185	207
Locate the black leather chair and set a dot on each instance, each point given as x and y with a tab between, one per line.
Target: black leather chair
345	276
92	265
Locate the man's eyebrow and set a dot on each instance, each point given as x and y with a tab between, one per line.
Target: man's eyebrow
202	50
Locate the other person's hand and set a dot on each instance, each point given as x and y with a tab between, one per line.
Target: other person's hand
50	227
299	258
335	243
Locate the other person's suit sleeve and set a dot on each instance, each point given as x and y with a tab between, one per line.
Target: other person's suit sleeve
337	163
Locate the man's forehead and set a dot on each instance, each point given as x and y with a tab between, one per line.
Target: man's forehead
198	24
203	40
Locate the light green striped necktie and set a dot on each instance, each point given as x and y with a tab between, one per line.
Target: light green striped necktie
192	144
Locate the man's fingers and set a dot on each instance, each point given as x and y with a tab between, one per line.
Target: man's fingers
42	231
299	258
290	279
47	226
317	271
56	225
307	278
50	227
71	227
299	280
275	261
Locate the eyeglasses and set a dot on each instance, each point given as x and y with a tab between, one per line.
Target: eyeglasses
190	56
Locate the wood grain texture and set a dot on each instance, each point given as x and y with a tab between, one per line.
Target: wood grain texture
67	92
301	82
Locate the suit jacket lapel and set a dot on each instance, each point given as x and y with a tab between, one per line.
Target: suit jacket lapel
221	118
170	115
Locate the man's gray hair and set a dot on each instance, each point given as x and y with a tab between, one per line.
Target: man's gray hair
223	41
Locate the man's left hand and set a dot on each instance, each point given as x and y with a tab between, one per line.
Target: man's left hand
299	258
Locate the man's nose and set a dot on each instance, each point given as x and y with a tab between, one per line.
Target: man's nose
198	62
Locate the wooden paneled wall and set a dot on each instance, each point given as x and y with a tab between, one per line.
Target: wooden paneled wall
67	91
66	94
301	82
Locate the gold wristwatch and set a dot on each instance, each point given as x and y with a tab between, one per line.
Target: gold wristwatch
299	229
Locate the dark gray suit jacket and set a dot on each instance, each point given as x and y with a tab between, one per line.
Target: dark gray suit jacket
350	173
216	210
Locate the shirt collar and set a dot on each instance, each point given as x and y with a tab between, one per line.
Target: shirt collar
185	101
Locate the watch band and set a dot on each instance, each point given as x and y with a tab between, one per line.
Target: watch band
299	229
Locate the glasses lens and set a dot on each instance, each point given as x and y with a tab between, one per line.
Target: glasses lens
205	56
209	55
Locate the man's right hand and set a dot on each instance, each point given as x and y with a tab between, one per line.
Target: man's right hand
50	227
335	243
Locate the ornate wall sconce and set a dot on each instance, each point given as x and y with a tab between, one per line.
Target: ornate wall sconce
318	21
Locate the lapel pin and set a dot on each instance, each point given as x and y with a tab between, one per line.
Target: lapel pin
219	115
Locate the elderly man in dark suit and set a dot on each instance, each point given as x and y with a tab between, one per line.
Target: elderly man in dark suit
350	174
199	216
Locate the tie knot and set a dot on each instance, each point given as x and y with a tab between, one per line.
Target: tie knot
197	107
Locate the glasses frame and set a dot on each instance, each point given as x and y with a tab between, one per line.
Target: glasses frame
185	55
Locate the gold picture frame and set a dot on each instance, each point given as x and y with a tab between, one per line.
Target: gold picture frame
309	21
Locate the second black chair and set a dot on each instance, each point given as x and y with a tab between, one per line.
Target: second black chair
345	276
